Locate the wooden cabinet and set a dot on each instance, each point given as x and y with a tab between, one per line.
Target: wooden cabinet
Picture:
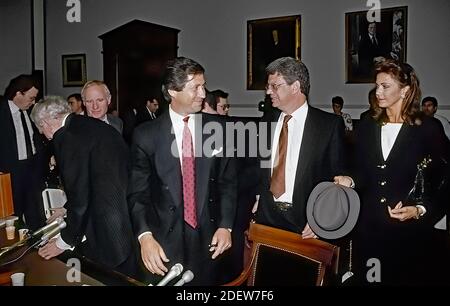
134	59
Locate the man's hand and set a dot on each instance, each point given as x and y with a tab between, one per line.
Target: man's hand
56	213
343	180
221	241
403	213
50	250
153	255
308	233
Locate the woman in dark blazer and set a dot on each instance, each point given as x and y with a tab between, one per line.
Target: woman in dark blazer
395	240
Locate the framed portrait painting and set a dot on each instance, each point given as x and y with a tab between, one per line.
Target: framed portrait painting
267	40
74	70
370	38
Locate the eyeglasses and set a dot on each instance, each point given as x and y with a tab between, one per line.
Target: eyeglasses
224	106
274	87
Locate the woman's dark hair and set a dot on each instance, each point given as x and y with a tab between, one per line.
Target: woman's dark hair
405	75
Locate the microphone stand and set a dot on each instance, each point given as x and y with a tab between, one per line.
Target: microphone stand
48	232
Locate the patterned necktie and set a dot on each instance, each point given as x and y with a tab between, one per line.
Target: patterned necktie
277	183
26	134
188	168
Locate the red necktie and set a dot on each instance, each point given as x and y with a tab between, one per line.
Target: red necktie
188	168
277	183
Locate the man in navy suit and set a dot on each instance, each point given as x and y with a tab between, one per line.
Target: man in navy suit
23	151
314	150
174	221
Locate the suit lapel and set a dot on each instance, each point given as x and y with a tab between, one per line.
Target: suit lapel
202	165
8	126
268	132
169	163
404	136
309	136
378	151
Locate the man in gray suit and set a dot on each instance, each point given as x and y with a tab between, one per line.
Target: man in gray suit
96	99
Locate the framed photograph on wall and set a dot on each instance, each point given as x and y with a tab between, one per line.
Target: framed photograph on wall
267	40
369	39
74	70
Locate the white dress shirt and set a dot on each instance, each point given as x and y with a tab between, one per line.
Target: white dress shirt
177	128
389	133
20	135
296	126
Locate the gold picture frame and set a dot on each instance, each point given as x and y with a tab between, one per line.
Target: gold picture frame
362	51
74	70
267	40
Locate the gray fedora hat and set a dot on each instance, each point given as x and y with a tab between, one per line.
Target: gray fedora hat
332	210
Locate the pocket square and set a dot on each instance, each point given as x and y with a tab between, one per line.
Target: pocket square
215	151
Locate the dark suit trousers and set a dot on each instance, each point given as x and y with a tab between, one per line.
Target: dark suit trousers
27	185
197	258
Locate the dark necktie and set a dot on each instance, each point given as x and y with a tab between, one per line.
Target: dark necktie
26	134
374	40
188	168
277	183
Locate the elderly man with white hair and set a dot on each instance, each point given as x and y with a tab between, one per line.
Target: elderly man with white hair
93	163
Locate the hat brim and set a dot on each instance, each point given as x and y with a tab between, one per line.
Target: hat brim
349	223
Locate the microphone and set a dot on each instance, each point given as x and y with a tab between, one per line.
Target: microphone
52	233
185	278
49	226
173	272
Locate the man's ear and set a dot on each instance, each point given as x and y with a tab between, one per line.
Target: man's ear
296	86
172	93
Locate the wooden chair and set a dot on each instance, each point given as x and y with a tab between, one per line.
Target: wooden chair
282	258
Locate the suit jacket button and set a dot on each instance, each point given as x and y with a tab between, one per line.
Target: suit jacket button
212	179
171	230
166	187
211	200
382	183
383	200
172	208
212	220
382	166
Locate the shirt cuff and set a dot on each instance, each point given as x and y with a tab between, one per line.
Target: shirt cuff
424	211
352	185
61	244
143	234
